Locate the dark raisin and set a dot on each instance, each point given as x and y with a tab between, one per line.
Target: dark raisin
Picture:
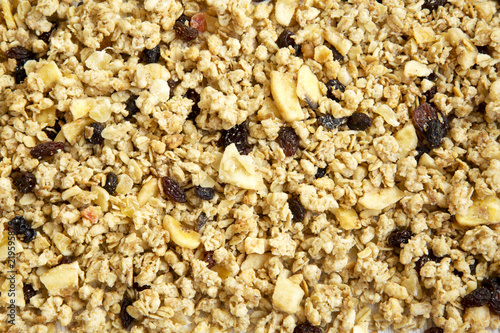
24	181
131	107
201	221
288	140
425	259
359	121
19	53
46	149
195	109
172	84
137	287
330	122
47	35
53	130
320	173
432	77
483	49
66	260
205	193
472	267
434	330
183	19
307	328
435	133
332	86
173	190
298	211
28	292
17	223
237	135
111	183
124	316
96	137
479	297
286	39
494	303
151	56
209	259
185	32
428	124
336	54
28	235
429	94
20	74
19	226
398	237
433	4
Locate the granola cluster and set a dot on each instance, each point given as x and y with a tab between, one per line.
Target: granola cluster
256	166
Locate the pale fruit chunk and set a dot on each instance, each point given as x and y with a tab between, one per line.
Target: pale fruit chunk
239	170
5	248
130	206
181	236
382	198
50	74
407	139
61	280
73	130
101	111
484	211
80	107
308	86
7	15
102	197
284	93
423	34
287	295
341	43
255	261
149	190
46	117
415	68
388	114
98	60
348	218
284	11
62	242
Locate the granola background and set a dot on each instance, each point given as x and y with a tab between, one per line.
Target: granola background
269	270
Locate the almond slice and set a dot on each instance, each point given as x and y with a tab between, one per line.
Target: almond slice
308	86
382	198
50	74
239	170
181	236
388	114
61	280
348	218
407	139
74	129
149	190
484	211
284	93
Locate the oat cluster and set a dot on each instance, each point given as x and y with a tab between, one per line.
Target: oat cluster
258	166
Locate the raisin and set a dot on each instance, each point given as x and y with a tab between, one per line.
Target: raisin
185	32
483	49
435	133
183	19
20	74
24	181
195	109
359	121
46	149
151	56
137	287
237	135
131	107
20	53
479	297
494	303
432	77
332	86
425	259
286	39
298	211
205	193
307	328
96	137
66	260
330	122
209	259
172	84
472	267
433	4
429	94
201	221
28	292
288	140
426	121
124	316
336	54
111	183
173	190
19	226
53	130
434	330
398	237
320	173
16	224
47	35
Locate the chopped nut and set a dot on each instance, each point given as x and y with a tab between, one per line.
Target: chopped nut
61	280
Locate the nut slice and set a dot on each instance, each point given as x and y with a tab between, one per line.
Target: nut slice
484	211
61	280
380	199
239	170
285	96
407	139
181	236
308	86
284	11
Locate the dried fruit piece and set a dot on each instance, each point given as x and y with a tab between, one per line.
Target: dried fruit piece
209	259
332	87
336	54
347	218
494	303
201	221
407	139
286	39
298	211
433	4
359	121
111	183
195	109
61	280
52	131
429	94
425	259
284	11
131	107
185	32
237	135
181	236
20	74
19	53
19	226
307	328
478	297
239	170
381	198
124	316
283	89
47	35
287	295
434	330
330	122
398	237
308	86
151	56
96	130
28	292
432	77
183	19
482	211
320	173
288	140
198	21
205	193
24	181
430	124
173	190
46	149
172	84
